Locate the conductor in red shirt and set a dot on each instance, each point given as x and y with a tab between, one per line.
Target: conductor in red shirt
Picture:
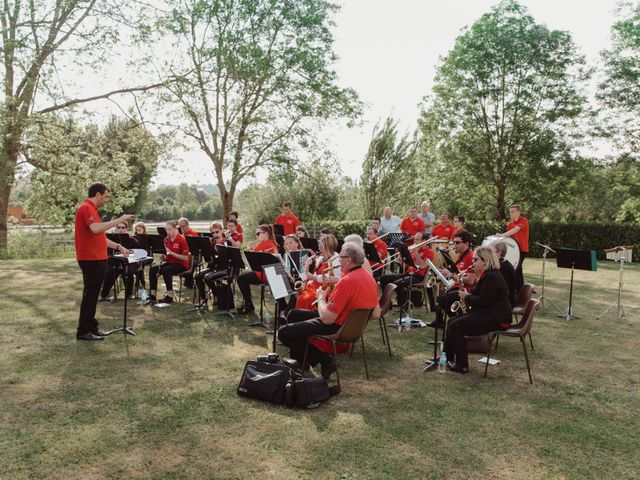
355	289
91	253
288	220
519	231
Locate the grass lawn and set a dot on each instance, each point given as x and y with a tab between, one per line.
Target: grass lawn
163	405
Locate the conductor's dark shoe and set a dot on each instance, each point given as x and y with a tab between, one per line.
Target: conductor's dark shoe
455	368
99	333
166	299
246	310
89	336
327	370
103	299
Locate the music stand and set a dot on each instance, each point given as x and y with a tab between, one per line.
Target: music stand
543	297
280	287
371	253
205	234
232	256
310	243
278	229
405	254
620	254
162	231
580	259
451	265
395	238
257	260
125	261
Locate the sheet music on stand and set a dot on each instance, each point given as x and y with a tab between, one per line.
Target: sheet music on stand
278	280
138	255
393	239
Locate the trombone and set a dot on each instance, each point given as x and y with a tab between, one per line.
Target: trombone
392	258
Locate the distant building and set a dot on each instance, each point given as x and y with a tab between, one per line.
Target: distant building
19	213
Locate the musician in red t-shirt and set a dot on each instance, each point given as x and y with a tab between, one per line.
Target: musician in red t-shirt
355	289
519	231
381	248
232	234
411	275
412	224
186	229
288	220
91	253
462	245
234	216
266	243
445	229
176	260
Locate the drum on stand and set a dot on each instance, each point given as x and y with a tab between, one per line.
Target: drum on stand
513	250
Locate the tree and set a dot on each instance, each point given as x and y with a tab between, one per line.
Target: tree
38	37
387	168
503	99
261	77
69	157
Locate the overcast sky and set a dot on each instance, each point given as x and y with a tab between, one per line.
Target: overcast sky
388	52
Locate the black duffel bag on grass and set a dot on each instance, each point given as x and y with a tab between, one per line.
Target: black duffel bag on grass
265	381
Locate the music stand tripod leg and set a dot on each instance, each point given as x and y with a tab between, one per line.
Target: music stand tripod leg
124	329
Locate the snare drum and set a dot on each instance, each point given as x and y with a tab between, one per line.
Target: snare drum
513	250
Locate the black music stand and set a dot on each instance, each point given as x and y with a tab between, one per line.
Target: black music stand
543	297
144	243
280	287
278	229
395	238
205	248
371	253
405	254
205	234
310	243
162	231
258	260
125	264
232	256
580	259
451	265
122	239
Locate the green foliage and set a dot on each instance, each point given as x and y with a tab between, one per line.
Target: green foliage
261	76
315	188
388	170
503	101
32	244
171	202
71	157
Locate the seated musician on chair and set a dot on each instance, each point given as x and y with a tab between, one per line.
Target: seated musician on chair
355	289
140	233
291	244
176	260
266	243
319	269
301	232
232	234
506	269
489	309
458	223
412	275
235	216
115	269
381	248
214	270
187	231
462	246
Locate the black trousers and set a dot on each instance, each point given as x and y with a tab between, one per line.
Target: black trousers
455	344
519	274
113	271
92	276
303	324
244	282
208	276
402	280
168	271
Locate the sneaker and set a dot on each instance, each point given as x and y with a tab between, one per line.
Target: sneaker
89	336
150	300
166	299
246	310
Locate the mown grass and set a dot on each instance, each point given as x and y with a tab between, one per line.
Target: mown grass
163	405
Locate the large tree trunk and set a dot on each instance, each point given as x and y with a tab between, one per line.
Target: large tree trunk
8	162
500	203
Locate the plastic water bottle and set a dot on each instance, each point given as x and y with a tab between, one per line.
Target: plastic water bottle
442	364
142	293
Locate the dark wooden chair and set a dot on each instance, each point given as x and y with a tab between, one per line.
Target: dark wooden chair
181	276
524	295
520	331
351	331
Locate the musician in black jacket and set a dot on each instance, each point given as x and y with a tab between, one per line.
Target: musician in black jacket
506	269
488	309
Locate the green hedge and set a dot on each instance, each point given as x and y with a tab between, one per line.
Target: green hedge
581	235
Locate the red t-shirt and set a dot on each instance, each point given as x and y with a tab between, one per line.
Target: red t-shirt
190	233
382	250
177	245
289	223
412	226
464	262
236	237
522	235
444	231
239	228
89	245
355	289
425	253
